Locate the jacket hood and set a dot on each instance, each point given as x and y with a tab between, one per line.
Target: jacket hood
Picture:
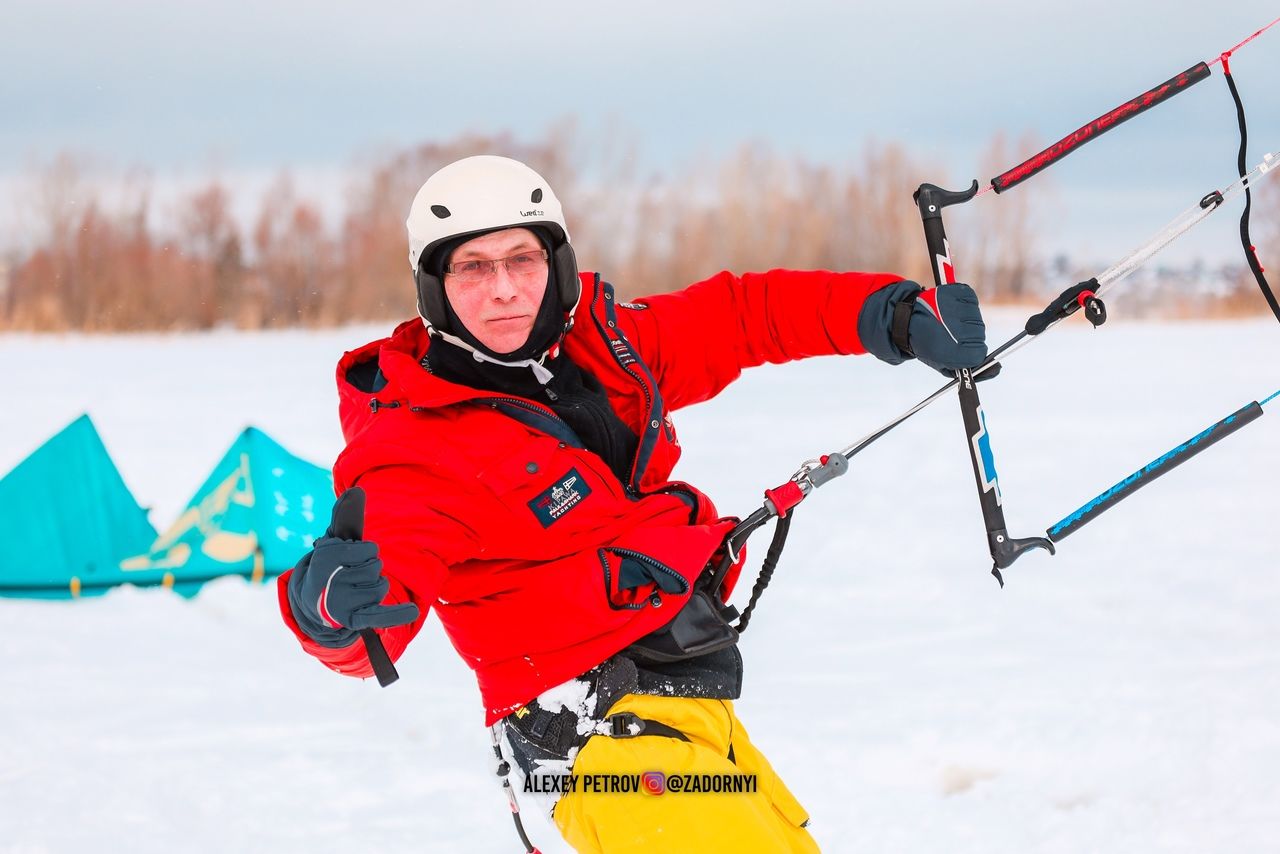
389	373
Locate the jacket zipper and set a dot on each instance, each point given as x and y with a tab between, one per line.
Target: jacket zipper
530	405
632	485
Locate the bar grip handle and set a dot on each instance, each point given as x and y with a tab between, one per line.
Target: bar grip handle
1099	126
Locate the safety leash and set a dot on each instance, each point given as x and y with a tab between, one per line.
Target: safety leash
502	768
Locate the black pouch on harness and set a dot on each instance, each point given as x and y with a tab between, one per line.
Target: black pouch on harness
539	735
700	627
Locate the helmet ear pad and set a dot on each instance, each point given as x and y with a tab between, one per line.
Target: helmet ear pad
431	300
565	264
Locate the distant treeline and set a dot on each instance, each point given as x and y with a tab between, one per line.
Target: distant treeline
107	267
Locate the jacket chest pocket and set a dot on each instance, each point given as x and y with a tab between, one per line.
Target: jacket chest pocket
545	483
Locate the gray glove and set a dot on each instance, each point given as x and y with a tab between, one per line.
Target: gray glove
337	588
941	327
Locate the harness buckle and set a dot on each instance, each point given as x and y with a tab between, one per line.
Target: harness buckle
620	725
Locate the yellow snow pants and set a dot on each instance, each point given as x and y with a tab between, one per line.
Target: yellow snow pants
769	819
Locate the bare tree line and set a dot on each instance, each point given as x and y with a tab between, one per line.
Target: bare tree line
103	266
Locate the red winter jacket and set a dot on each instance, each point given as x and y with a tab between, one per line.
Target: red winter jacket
487	508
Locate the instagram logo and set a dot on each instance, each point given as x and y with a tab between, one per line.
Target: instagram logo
654	782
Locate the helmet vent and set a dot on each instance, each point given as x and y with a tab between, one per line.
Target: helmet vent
440	211
537	196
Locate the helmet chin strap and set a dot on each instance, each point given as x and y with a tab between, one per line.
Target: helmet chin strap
540	371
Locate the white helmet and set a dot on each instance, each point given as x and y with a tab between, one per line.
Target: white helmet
475	195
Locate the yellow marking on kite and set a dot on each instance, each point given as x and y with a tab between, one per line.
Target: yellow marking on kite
206	518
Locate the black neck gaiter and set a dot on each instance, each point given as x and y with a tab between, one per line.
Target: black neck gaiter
573	394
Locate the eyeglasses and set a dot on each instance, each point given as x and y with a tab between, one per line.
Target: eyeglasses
523	265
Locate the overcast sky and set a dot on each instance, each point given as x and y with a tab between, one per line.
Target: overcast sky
178	87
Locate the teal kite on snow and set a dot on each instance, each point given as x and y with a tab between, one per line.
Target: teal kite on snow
67	519
254	516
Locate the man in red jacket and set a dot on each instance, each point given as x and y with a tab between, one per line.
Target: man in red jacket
515	444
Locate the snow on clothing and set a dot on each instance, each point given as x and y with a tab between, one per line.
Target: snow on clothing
489	509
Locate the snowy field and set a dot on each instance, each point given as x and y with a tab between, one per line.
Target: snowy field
1123	696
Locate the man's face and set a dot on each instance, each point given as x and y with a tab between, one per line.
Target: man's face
499	307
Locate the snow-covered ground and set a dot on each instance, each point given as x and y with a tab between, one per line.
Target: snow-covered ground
1122	696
